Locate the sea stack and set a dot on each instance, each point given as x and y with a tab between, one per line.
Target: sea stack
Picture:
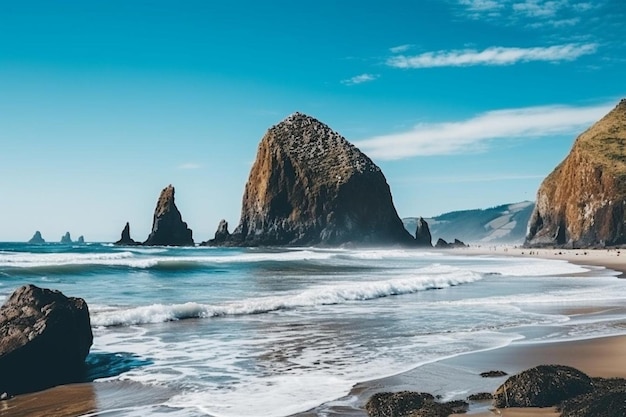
66	239
168	227
44	340
582	203
310	186
422	233
37	239
125	239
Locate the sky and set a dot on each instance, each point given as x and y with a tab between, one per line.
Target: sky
462	103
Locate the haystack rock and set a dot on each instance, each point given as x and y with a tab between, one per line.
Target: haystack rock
66	239
125	239
44	340
168	227
37	239
310	186
582	203
422	233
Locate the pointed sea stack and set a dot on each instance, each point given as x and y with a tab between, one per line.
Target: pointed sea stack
168	227
125	239
582	203
422	234
310	186
66	239
37	239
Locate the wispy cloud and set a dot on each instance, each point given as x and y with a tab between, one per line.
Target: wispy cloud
539	8
360	79
481	5
495	55
190	165
477	132
400	48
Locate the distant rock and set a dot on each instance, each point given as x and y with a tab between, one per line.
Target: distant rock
44	340
66	239
442	244
411	404
81	240
310	186
168	227
37	239
221	235
125	239
542	386
582	203
493	374
422	233
502	224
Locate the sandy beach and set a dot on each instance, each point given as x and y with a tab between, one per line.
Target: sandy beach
602	357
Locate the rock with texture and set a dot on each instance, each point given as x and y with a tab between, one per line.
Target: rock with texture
310	186
37	239
542	386
66	239
44	340
422	233
608	399
582	203
125	239
411	404
168	227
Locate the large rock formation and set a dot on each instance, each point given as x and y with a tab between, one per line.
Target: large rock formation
168	227
125	239
66	239
309	186
44	340
582	203
37	239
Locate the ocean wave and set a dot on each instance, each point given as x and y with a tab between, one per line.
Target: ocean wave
314	296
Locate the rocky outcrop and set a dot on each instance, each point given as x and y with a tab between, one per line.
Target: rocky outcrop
44	340
411	404
442	244
582	203
310	186
37	239
222	235
125	239
608	399
542	386
66	239
422	233
81	240
168	227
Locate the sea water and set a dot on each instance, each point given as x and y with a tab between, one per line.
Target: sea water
272	332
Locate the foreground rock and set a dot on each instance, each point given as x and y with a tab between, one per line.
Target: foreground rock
582	203
422	233
608	399
310	186
542	386
44	340
168	227
37	239
125	239
411	404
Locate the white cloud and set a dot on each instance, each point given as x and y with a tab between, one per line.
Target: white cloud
400	48
539	8
360	79
190	165
481	5
495	55
476	133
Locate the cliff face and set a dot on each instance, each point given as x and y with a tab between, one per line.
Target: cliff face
582	203
168	227
309	186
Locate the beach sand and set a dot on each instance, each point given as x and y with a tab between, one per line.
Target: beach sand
603	357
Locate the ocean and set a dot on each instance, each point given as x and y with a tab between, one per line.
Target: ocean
264	332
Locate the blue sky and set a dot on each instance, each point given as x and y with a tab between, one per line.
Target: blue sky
462	103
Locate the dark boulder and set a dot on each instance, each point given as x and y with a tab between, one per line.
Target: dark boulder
37	239
168	227
542	386
493	374
411	404
44	340
125	239
480	396
422	233
608	399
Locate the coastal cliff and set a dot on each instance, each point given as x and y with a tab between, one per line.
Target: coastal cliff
582	203
168	227
310	186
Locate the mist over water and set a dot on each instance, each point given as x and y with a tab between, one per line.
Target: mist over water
271	332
